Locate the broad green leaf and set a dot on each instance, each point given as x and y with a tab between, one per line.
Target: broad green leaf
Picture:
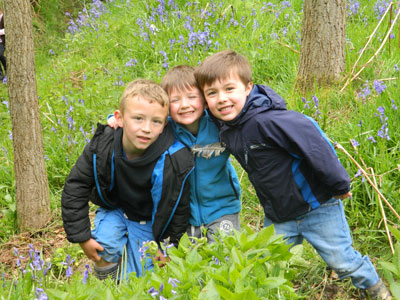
395	232
389	266
395	289
273	282
209	292
56	294
224	292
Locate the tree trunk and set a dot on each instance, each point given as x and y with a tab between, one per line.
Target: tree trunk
322	57
32	191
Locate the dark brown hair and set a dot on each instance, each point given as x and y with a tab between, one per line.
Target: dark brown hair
220	66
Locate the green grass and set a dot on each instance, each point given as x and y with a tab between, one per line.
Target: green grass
81	76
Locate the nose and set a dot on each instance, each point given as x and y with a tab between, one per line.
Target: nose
184	102
222	97
146	126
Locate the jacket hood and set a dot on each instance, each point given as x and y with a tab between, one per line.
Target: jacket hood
260	99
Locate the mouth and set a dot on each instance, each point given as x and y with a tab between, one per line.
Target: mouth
143	139
225	109
186	113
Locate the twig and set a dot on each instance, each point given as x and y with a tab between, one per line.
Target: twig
340	147
373	56
205	10
383	216
369	40
287	46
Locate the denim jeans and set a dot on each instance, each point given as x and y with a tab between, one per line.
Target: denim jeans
326	229
113	231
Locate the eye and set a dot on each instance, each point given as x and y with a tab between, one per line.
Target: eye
174	100
158	122
138	118
229	88
210	93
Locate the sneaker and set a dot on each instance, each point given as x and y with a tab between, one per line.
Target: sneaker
379	291
103	273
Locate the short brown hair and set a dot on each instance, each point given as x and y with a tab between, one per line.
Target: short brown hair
145	88
179	78
220	66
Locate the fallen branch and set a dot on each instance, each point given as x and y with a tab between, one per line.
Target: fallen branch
375	54
340	147
287	46
384	217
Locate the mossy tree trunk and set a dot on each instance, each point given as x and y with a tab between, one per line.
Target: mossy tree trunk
322	57
32	191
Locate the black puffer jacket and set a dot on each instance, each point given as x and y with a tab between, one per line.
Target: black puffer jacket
92	177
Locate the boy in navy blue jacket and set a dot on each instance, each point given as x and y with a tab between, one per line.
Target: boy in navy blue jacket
291	164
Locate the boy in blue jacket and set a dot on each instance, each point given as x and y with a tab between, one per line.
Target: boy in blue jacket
291	164
214	185
137	174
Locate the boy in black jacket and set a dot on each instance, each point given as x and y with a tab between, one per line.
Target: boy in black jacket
137	175
291	164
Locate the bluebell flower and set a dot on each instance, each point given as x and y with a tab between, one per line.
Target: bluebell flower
379	86
396	67
10	136
173	281
394	105
371	138
5	103
354	143
153	292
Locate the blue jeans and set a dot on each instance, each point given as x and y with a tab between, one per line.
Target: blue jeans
326	229
114	231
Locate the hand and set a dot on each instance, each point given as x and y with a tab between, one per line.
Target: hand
90	248
112	122
160	259
347	195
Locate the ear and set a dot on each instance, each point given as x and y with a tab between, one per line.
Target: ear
249	87
118	117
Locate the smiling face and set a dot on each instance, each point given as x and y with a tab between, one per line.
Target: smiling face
187	107
143	121
226	97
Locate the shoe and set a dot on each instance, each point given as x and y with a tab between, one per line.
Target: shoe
379	291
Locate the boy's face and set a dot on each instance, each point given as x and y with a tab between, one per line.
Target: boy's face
227	97
186	107
143	122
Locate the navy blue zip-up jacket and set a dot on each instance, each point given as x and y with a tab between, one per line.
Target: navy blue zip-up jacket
92	179
290	162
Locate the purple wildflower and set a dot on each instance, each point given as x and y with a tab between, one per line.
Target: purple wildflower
396	67
394	105
379	87
86	273
5	103
371	138
354	143
153	292
173	281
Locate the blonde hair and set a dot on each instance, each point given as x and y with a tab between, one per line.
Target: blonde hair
148	89
220	66
179	78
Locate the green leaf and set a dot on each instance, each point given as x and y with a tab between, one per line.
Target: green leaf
56	294
389	266
209	292
273	282
224	292
395	232
395	289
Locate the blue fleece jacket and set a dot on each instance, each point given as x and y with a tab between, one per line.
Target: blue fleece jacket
214	185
